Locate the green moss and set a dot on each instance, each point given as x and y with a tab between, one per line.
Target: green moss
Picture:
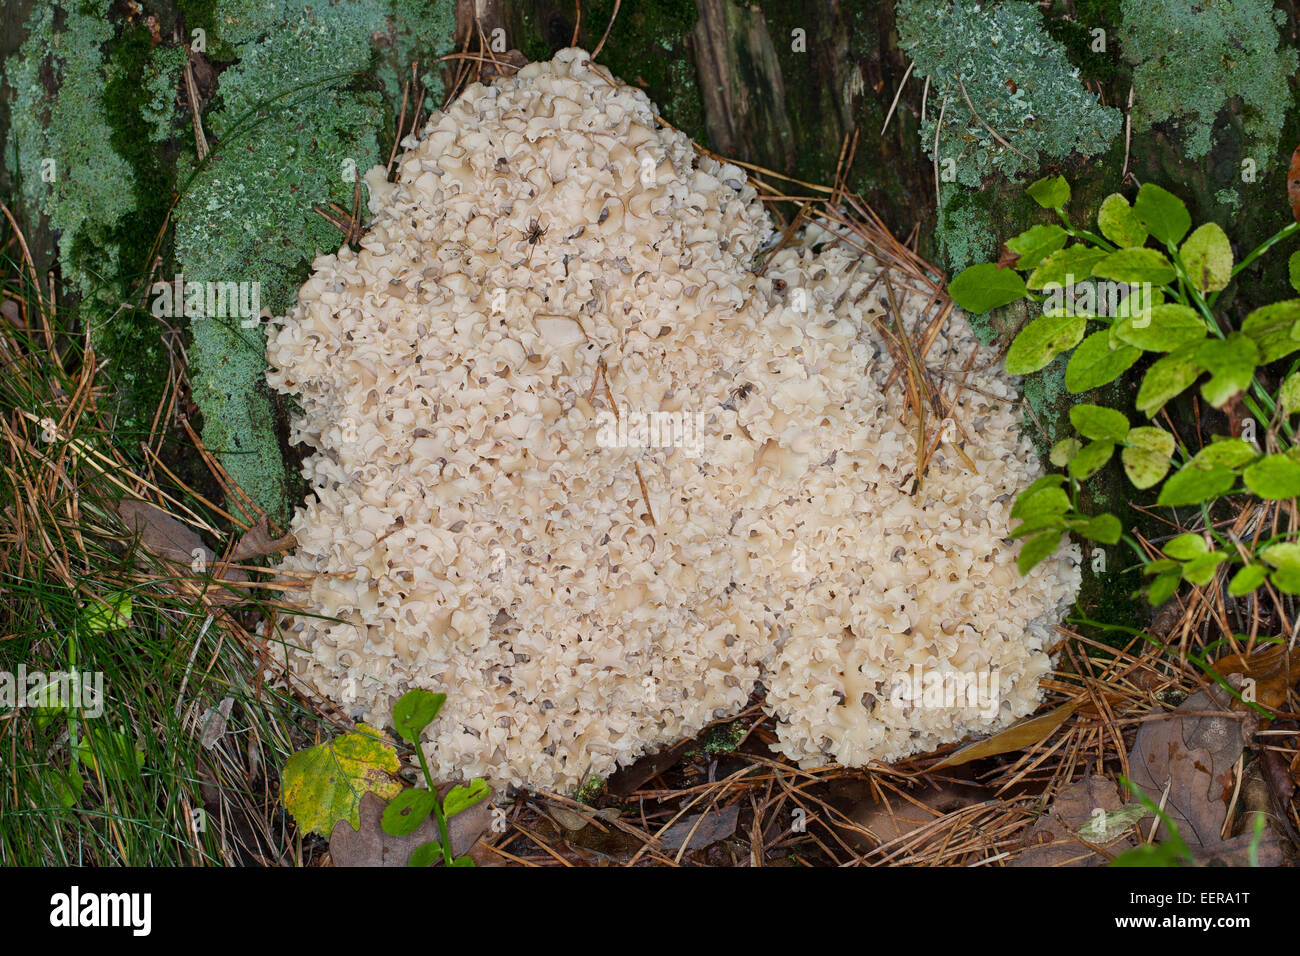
591	790
967	234
71	129
1192	57
721	739
1074	23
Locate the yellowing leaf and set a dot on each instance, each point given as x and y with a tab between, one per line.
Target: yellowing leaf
324	784
1207	255
1021	736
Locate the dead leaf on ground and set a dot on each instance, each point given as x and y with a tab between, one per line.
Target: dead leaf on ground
887	816
629	779
257	542
1060	836
371	846
701	829
1270	669
172	541
1195	756
1019	736
214	721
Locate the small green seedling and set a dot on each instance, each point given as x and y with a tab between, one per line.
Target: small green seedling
411	714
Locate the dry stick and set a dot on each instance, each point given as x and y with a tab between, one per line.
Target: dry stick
401	120
36	282
645	493
1000	140
899	92
1128	133
938	198
192	95
596	52
577	23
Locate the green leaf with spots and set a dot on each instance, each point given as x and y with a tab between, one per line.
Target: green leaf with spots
1293	270
1274	477
1035	244
984	287
1231	364
1234	453
1168	378
1146	457
324	784
1036	550
1138	264
1094	363
1097	421
1119	223
1051	192
1042	340
1068	266
1271	328
406	811
1207	257
462	798
1247	579
1192	484
1163	213
1091	458
1163	329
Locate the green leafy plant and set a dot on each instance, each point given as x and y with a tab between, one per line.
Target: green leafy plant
1147	282
324	784
414	711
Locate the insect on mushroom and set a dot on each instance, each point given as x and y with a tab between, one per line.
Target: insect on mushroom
532	236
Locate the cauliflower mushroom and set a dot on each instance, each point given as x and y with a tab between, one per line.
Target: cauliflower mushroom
578	466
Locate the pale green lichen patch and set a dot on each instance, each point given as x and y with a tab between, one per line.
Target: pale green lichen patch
59	145
1026	106
1192	56
297	122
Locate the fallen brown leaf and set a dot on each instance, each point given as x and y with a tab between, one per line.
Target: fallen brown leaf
257	542
1270	669
701	829
1195	757
1052	841
1019	736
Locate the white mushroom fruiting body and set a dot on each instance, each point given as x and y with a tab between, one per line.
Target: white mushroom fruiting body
480	521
